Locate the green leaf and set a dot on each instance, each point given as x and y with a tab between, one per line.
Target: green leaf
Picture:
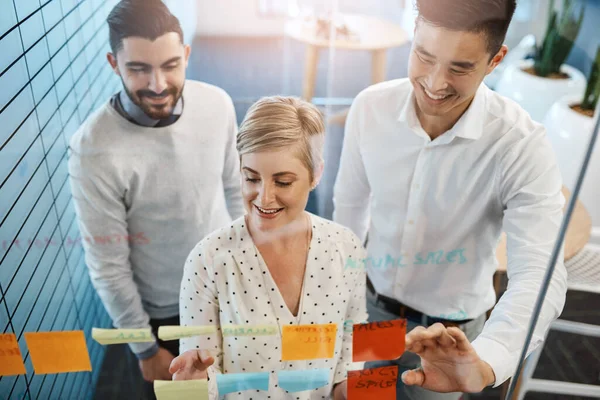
592	91
559	39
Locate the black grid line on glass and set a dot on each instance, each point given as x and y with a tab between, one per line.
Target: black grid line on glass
53	74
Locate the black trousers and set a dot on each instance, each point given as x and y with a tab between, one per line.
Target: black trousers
171	345
120	377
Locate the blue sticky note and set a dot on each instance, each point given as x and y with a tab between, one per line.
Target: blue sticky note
229	383
298	381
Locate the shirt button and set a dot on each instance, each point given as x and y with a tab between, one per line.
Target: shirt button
411	222
417	186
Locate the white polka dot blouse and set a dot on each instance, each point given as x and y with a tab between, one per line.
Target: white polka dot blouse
226	281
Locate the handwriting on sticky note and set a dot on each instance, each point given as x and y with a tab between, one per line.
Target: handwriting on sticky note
299	381
378	340
172	332
181	390
249	330
11	362
114	336
308	342
229	383
377	383
57	352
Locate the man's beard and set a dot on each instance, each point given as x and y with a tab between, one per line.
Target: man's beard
154	111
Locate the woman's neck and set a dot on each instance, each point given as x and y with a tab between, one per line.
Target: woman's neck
280	238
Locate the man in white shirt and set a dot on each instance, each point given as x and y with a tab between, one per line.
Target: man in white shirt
153	171
435	167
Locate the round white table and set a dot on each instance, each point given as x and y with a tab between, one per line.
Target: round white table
373	34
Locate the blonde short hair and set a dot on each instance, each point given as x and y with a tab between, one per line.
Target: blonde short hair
279	122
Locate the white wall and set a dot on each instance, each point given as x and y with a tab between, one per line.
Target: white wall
234	18
242	17
186	12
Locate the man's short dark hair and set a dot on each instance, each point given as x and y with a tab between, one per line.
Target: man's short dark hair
490	17
148	19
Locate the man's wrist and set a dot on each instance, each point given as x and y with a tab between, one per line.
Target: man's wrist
489	376
146	354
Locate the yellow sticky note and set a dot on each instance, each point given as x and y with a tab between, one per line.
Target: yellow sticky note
11	362
56	352
249	330
114	336
172	332
307	342
181	390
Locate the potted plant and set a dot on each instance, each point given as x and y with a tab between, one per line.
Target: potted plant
536	84
569	124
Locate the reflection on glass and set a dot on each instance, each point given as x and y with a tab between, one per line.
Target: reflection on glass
130	200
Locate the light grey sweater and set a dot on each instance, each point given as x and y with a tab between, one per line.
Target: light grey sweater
163	188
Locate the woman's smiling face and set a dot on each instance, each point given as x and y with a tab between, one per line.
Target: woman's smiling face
275	186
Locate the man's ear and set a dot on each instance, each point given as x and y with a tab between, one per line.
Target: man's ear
497	59
112	60
187	51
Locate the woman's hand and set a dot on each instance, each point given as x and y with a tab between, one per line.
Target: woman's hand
192	364
340	391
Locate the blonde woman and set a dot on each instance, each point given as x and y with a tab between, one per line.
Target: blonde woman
278	265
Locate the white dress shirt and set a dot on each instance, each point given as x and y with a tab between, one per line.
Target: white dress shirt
434	211
226	281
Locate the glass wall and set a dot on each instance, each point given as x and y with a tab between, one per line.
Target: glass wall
54	74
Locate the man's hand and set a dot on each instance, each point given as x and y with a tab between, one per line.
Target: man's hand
340	391
191	365
157	366
449	362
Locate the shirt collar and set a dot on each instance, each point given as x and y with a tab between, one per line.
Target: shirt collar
470	124
408	113
138	115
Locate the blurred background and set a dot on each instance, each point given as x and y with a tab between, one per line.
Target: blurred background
54	73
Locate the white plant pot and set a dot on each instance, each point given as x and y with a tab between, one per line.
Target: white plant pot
569	133
536	95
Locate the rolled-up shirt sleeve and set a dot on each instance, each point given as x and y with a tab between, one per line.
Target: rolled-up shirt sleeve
529	185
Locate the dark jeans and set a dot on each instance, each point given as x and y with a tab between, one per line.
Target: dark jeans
171	345
411	360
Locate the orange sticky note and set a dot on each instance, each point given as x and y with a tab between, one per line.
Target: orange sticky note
11	362
307	342
377	383
56	352
378	340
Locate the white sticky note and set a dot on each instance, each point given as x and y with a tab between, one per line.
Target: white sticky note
173	332
115	336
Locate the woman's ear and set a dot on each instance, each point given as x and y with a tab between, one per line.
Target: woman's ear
318	175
